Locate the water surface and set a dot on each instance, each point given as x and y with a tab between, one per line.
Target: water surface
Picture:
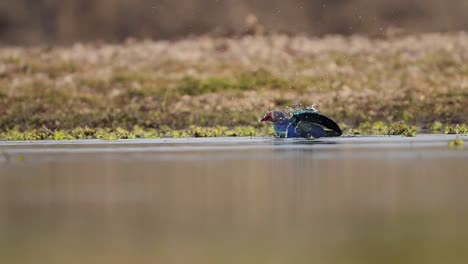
235	200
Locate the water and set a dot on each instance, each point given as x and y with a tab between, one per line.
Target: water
235	200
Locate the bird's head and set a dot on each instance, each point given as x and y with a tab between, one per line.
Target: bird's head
274	116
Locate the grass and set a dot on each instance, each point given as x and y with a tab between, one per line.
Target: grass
398	86
242	82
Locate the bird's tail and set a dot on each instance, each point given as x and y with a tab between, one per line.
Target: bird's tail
333	133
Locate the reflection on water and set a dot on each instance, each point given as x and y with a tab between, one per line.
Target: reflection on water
257	204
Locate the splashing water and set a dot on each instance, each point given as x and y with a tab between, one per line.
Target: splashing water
298	106
312	107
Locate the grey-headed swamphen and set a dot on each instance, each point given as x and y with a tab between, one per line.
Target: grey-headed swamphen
304	123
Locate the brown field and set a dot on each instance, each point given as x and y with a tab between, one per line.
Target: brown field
229	82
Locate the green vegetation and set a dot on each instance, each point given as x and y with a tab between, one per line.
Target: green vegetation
456	143
456	129
243	81
401	86
377	128
380	128
136	132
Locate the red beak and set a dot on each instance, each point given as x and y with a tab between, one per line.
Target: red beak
267	117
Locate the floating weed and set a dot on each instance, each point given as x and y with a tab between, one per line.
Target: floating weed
456	129
411	132
180	134
456	143
118	133
78	133
401	128
223	131
136	132
381	128
62	135
139	132
363	129
83	133
248	131
368	128
106	134
33	134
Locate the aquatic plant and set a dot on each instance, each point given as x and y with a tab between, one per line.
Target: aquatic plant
401	128
456	143
456	129
136	132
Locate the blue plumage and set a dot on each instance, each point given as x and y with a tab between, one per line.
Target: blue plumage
304	123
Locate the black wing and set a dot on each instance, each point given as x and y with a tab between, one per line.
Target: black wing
332	128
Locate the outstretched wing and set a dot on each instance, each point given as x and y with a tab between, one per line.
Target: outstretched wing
306	121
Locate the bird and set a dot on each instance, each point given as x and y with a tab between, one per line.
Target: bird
304	123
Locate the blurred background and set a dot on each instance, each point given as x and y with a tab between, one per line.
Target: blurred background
241	200
30	22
